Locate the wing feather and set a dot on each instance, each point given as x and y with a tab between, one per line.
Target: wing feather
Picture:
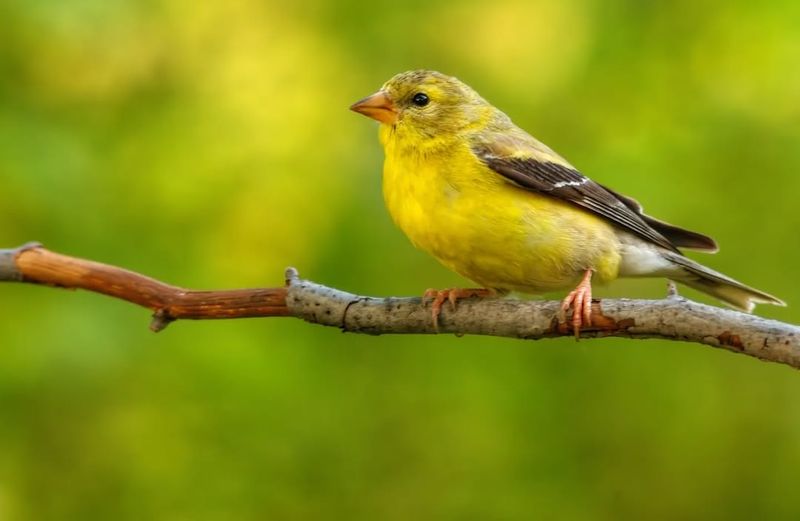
564	182
678	236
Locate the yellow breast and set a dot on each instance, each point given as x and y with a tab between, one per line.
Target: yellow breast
482	227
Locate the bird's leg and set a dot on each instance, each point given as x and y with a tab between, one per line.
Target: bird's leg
438	298
580	300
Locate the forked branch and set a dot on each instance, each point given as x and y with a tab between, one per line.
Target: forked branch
673	318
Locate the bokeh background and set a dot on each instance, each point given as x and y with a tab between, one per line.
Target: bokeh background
209	144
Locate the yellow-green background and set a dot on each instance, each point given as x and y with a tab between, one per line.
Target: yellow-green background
209	144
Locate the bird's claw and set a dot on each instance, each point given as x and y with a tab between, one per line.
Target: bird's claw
438	297
580	300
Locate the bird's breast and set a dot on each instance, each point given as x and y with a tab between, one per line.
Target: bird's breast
427	202
451	206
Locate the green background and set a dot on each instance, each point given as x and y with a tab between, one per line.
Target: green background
209	144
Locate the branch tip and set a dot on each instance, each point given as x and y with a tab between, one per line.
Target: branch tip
9	271
672	290
291	275
161	319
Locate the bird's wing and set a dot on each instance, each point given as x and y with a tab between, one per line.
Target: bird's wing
552	176
678	236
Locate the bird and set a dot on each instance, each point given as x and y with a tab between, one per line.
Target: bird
500	208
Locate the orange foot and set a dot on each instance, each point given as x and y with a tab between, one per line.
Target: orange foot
580	300
452	295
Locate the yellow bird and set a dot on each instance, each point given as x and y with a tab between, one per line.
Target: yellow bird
495	205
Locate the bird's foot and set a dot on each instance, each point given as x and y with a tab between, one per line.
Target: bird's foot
437	297
580	300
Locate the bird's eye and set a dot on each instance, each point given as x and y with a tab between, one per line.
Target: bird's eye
420	99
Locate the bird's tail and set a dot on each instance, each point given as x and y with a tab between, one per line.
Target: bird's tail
713	283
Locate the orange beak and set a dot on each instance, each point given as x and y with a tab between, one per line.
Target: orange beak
378	107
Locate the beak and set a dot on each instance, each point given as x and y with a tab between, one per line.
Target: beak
379	107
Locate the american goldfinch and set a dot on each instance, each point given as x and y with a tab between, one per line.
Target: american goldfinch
500	208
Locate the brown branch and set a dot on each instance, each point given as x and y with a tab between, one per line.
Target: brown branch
34	264
673	318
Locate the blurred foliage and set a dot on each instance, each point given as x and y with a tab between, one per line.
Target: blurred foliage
209	144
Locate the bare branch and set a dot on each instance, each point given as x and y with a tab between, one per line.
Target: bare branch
673	318
37	265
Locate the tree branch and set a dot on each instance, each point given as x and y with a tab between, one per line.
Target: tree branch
34	264
673	318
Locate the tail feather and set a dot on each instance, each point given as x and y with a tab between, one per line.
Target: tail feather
713	283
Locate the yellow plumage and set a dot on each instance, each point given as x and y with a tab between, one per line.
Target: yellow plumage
496	234
497	206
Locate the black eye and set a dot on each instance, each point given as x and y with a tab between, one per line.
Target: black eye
420	99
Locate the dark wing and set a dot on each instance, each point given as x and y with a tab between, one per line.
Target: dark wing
678	236
567	184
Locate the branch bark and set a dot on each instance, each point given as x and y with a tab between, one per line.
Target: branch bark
673	318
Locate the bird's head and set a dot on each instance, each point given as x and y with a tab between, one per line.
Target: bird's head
425	105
